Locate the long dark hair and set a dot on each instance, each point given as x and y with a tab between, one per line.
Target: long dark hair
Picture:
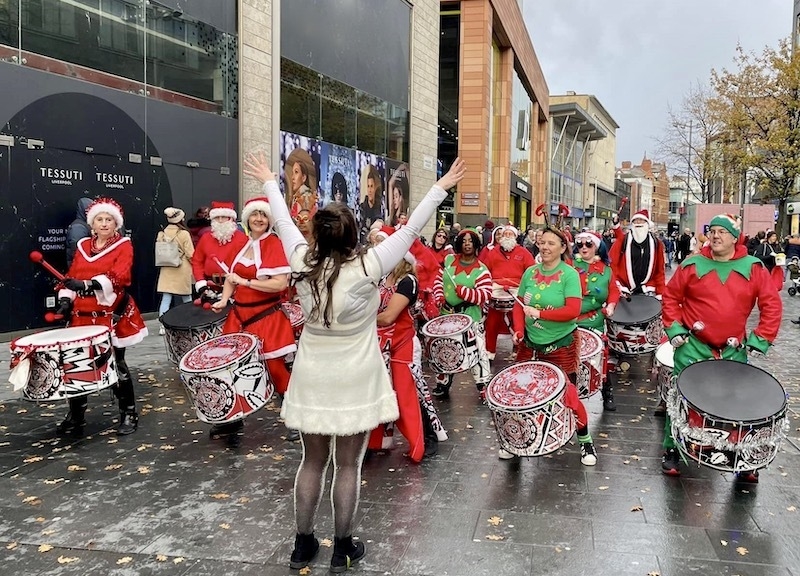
335	242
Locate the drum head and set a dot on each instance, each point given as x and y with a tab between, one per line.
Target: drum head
218	352
61	336
729	390
188	316
525	385
638	310
295	314
591	343
664	355
447	325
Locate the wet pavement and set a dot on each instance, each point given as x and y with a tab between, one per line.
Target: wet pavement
169	500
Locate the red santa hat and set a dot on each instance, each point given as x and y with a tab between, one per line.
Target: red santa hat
643	214
384	232
594	237
222	209
508	227
259	203
106	205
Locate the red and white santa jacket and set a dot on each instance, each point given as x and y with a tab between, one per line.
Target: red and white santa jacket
208	251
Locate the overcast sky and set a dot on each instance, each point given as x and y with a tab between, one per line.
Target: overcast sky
638	56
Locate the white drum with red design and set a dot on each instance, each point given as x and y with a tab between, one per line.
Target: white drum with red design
226	378
450	343
296	317
590	372
63	363
664	363
636	327
527	404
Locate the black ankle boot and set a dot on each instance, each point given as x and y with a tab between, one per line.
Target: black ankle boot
72	425
608	398
346	553
441	391
305	549
128	422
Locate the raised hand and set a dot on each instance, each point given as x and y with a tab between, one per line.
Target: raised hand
256	165
454	175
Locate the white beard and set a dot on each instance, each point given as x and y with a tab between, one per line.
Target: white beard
508	243
223	231
639	233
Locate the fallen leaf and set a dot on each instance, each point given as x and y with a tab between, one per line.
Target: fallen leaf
723	542
112	440
162	409
45	548
305	571
220	496
48	532
742	550
626	461
29	499
278	457
33	459
243	500
637	509
54	481
225	526
469	426
484	475
494	537
125	560
792	509
327	542
75	468
603	435
143	469
495	520
40	519
67	559
143	447
11	545
167	447
196	432
178	560
113	467
654	573
602	487
161	558
250	457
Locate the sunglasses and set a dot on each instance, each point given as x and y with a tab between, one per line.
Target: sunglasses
587	244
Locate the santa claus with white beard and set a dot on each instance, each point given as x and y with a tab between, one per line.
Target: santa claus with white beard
506	262
215	251
637	257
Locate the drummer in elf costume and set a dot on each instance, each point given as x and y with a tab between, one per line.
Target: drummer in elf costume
464	286
93	294
545	321
600	296
721	277
222	244
259	277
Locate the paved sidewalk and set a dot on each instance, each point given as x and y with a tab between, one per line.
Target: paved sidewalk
168	500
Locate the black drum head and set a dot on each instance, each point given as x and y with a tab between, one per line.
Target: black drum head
730	390
640	309
188	316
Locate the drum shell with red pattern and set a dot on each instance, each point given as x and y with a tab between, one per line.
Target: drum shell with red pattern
187	325
664	364
226	379
636	327
296	317
450	343
527	404
590	371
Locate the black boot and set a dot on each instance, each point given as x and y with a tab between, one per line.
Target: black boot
346	553
441	391
226	429
74	422
305	549
795	321
608	397
128	422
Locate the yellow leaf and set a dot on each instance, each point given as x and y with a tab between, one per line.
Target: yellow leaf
162	409
243	500
125	560
637	509
602	487
11	545
196	432
250	457
327	542
305	571
54	481
168	447
143	447
742	550
278	457
723	542
161	558
45	548
494	537
112	440
220	496
495	520
792	509
75	468
67	559
143	470
178	560
48	532
33	459
29	499
113	467
603	435
40	519
225	526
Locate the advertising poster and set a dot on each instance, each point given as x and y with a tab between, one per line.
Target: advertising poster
339	175
300	172
371	171
398	192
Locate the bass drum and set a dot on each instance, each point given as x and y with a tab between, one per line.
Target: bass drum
187	325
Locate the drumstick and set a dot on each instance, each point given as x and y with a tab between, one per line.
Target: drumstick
51	317
37	257
222	265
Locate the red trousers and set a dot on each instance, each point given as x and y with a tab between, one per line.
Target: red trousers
495	325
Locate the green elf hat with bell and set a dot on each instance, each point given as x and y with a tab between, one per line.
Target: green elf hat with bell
729	222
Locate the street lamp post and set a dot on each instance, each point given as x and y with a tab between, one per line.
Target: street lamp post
688	175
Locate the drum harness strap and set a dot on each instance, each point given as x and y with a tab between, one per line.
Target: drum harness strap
260	316
117	312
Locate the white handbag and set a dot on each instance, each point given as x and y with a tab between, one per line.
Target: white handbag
168	253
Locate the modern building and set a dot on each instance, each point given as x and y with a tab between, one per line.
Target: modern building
153	103
493	112
597	200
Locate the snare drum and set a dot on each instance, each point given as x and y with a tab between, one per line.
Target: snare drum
63	363
296	318
502	304
226	378
590	371
187	325
635	328
664	363
450	343
728	415
527	404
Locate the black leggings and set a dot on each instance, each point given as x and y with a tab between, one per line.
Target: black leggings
348	455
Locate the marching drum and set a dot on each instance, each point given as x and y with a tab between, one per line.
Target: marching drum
296	318
63	363
187	325
590	372
502	300
450	343
527	404
664	364
728	415
635	328
226	378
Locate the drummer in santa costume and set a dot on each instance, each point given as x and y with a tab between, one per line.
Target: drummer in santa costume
258	278
464	286
722	277
221	245
94	294
637	257
600	297
506	263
